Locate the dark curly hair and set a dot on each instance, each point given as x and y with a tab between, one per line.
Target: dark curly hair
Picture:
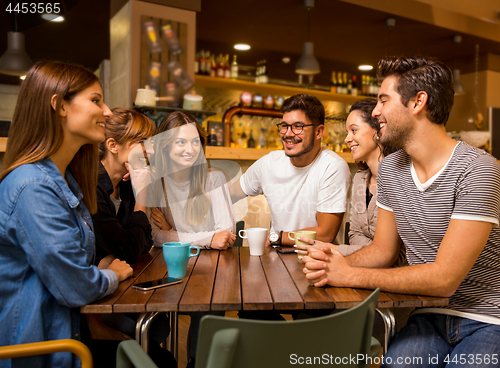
420	73
365	107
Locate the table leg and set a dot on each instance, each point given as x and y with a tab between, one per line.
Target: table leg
390	326
146	325
172	339
138	326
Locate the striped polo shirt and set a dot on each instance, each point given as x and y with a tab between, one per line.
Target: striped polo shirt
466	188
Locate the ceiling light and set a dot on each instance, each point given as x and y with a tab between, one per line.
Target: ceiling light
365	67
242	46
285	60
22	77
15	61
53	17
307	64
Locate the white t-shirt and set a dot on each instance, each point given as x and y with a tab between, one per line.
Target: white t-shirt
296	194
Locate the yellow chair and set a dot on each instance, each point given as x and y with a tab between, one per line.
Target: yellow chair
49	347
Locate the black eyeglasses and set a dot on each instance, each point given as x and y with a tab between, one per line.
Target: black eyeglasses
297	128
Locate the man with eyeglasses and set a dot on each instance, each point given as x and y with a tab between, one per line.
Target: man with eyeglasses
305	186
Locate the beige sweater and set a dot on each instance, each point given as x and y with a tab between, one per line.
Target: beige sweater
362	220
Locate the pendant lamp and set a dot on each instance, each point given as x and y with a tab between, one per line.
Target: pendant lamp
307	64
15	61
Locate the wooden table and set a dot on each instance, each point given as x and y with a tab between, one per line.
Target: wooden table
233	280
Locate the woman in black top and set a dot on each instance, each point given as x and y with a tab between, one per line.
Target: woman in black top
122	228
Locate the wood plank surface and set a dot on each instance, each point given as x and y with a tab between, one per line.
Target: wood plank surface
404	300
254	288
285	294
167	299
198	292
313	297
344	297
227	288
133	300
105	305
430	301
383	299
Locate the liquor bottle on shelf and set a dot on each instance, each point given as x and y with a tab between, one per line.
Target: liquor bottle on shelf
354	89
269	102
340	86
264	78
242	141
349	84
212	66
344	83
212	138
220	66
262	138
197	63
234	68
251	141
257	72
206	61
226	67
333	83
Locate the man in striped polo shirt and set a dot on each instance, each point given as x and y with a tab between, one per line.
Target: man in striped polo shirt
441	199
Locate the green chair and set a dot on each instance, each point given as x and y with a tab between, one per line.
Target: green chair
130	353
344	338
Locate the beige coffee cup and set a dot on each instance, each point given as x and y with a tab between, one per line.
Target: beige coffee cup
301	234
147	97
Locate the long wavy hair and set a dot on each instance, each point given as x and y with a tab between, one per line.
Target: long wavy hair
126	126
36	130
365	108
198	202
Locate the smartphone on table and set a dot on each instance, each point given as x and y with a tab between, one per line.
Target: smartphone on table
286	250
155	284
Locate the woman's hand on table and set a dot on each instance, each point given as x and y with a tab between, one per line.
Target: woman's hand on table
324	247
159	219
121	268
326	266
222	240
106	261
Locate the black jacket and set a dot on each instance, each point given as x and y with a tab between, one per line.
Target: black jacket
126	235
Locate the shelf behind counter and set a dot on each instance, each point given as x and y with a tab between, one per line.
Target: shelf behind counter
227	153
251	154
272	89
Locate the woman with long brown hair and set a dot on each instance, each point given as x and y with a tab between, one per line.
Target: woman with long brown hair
194	202
47	193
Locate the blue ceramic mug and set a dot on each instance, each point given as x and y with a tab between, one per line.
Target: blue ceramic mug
176	255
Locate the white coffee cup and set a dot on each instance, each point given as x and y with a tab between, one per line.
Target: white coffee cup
256	237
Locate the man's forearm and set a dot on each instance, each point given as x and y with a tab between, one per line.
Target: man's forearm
372	256
424	279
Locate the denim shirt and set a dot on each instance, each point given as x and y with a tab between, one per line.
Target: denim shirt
46	252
